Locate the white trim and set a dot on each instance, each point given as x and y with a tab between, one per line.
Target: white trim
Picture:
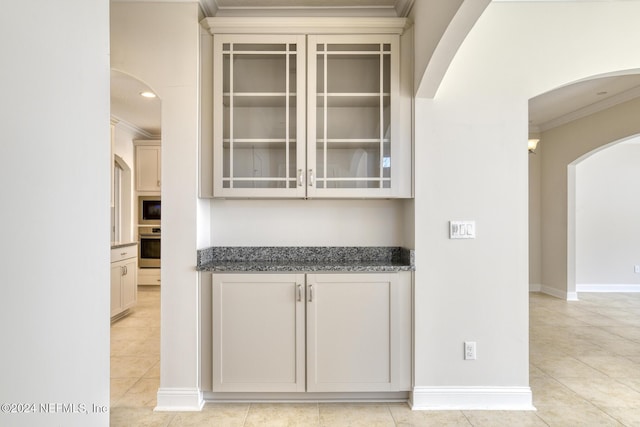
608	288
569	296
301	25
472	398
535	287
117	121
179	399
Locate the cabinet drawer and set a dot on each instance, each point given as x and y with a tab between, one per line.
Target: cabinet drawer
118	254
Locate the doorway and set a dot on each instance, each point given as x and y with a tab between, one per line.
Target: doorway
135	337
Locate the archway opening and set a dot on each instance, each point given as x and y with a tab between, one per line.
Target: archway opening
135	336
570	122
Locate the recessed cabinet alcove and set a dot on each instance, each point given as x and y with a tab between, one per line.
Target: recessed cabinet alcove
312	114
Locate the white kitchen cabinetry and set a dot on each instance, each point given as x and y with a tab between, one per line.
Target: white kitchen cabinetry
124	269
258	332
309	115
148	166
358	332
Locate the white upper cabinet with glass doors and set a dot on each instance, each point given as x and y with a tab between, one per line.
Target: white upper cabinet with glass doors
350	115
313	115
259	120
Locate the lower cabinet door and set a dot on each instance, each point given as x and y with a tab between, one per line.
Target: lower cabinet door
130	284
116	288
350	328
258	332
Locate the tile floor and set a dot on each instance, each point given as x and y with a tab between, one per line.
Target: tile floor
585	371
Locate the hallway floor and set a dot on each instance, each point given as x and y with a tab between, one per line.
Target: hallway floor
585	371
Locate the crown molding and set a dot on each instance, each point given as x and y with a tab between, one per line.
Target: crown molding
209	7
403	7
308	25
115	120
591	109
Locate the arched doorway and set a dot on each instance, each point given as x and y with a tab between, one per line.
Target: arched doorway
577	124
602	210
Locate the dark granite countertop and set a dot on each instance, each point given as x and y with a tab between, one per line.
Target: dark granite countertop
305	259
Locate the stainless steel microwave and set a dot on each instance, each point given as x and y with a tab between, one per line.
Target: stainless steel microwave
149	210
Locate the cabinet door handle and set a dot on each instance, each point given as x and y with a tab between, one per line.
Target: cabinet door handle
125	270
311	179
300	177
299	292
310	293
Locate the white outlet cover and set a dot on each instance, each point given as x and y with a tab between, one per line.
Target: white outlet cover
462	229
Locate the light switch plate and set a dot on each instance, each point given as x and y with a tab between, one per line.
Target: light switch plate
462	229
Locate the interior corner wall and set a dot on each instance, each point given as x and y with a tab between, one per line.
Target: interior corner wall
54	310
535	211
562	146
607	212
472	164
158	43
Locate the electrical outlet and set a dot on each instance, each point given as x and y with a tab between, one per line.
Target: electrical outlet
469	350
636	268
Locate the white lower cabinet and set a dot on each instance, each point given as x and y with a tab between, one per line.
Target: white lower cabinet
124	284
312	332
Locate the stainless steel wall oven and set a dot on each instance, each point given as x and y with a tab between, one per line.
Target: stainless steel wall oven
149	247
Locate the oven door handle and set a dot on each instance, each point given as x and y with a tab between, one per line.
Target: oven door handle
149	236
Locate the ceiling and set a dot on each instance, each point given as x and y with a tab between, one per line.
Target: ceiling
580	99
128	106
546	111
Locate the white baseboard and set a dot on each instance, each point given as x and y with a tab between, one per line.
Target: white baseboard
179	399
608	288
569	296
472	398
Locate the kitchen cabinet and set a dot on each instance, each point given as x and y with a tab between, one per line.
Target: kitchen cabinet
328	332
149	276
309	115
148	166
258	332
124	269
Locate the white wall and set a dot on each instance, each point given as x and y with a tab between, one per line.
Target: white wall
158	43
54	310
607	212
308	222
123	147
472	163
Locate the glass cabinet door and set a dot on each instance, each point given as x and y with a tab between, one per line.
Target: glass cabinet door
350	99
259	104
